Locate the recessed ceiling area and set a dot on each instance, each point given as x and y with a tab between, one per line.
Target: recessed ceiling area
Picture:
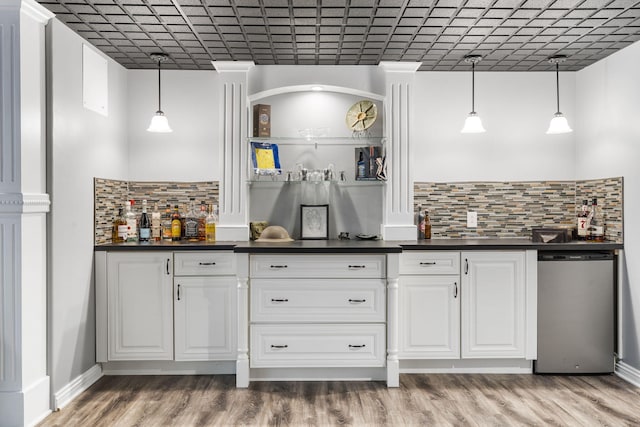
511	35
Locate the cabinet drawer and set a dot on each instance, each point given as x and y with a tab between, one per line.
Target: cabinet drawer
430	262
318	300
317	345
318	266
206	263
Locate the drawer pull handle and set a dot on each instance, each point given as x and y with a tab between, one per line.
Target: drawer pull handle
168	266
424	264
357	346
206	263
278	266
279	346
178	292
357	301
279	300
455	295
357	266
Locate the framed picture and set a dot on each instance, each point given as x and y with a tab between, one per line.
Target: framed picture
314	222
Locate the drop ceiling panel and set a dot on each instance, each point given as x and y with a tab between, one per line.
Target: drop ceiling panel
512	35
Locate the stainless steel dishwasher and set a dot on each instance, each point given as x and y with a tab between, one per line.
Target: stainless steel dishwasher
575	313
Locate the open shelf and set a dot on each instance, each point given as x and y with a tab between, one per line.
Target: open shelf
325	140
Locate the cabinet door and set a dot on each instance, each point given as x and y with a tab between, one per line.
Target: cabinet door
493	304
205	313
140	307
429	317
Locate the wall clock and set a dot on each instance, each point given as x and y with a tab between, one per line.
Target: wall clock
361	115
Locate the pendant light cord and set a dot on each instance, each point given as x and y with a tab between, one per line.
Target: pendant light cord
558	87
473	87
159	91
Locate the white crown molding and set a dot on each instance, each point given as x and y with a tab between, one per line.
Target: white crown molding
232	66
399	67
81	383
36	11
24	203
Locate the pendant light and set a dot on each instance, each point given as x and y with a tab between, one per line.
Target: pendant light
559	122
473	124
159	122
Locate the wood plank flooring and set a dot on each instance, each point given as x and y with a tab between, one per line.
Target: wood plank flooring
421	400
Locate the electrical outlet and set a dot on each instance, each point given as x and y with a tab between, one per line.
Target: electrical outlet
472	219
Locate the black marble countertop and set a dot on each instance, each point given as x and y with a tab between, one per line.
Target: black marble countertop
362	246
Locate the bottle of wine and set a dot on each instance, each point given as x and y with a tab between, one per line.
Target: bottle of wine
156	224
132	222
145	224
176	224
210	226
421	225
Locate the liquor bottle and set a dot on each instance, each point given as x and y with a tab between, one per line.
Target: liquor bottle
583	225
156	224
119	233
191	223
166	225
361	170
421	225
145	224
132	222
211	222
202	222
596	226
176	224
427	225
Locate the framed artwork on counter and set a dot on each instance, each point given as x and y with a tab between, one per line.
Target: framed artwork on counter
314	222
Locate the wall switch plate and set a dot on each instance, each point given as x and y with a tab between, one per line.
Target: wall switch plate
472	219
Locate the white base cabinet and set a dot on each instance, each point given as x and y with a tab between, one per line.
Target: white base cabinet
493	304
140	306
153	306
204	320
469	305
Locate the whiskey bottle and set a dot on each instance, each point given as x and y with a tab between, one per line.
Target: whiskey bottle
191	223
211	222
583	218
119	232
176	224
132	222
427	225
596	226
145	224
166	225
202	222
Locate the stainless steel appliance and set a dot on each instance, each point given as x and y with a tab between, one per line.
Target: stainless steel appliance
575	312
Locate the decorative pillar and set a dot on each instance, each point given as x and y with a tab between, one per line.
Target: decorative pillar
234	212
24	383
398	199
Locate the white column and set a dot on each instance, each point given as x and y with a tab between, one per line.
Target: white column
398	201
393	318
24	383
242	357
234	212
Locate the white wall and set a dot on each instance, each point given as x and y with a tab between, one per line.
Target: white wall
82	145
190	102
515	109
607	136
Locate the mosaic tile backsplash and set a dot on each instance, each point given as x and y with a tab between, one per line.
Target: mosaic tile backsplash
111	194
511	209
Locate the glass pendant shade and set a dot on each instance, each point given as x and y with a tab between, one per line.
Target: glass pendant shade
159	123
473	124
559	124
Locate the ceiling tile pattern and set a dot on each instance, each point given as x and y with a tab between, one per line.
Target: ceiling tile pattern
511	35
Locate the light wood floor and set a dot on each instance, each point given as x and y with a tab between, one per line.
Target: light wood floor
425	400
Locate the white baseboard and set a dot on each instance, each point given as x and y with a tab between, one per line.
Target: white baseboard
466	366
69	392
26	407
161	367
628	373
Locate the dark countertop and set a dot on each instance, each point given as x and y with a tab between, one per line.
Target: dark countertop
362	246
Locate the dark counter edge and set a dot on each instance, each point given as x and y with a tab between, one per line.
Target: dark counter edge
351	246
